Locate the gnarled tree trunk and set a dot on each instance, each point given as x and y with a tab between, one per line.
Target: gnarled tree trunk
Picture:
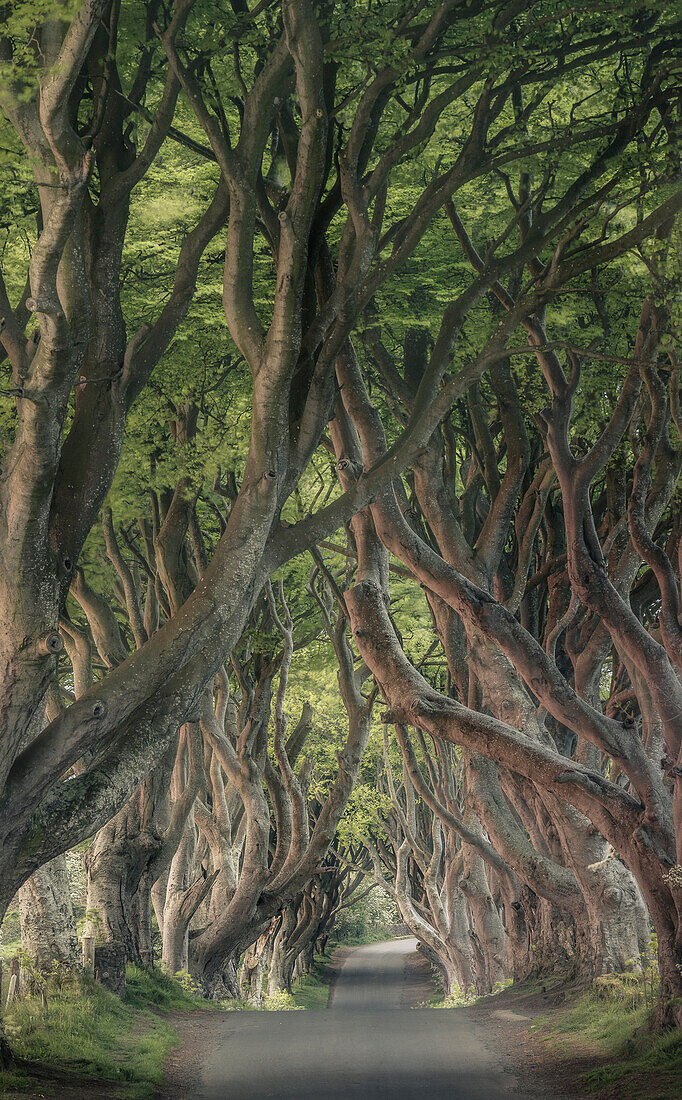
48	925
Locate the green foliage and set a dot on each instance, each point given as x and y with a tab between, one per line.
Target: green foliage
92	921
202	364
369	920
32	974
158	990
640	984
311	991
10	934
188	983
455	999
16	1081
660	1056
21	20
280	1001
459	998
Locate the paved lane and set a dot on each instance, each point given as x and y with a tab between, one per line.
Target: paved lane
366	1048
373	977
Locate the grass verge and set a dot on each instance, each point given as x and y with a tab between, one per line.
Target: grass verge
86	1032
312	991
628	1059
370	935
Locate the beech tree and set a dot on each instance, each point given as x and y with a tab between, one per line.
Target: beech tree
431	856
313	122
513	699
219	857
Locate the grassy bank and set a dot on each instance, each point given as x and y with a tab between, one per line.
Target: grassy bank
577	1042
613	1037
98	1045
117	1048
596	1042
85	1032
312	991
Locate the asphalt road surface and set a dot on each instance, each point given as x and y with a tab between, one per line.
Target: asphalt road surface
368	1046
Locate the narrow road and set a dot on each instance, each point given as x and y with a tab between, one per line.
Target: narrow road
373	977
369	1046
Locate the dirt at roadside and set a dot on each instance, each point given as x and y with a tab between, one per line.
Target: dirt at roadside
418	987
507	1019
55	1085
200	1033
546	1071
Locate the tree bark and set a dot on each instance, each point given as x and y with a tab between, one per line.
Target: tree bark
48	925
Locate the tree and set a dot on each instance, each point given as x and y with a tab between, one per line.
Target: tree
439	884
509	672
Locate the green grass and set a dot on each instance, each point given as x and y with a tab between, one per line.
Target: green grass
10	948
10	934
158	990
312	991
661	1055
86	1031
15	1081
614	1029
605	1025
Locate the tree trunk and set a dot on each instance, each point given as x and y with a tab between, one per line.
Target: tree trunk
119	889
223	984
48	926
518	942
669	1009
617	917
181	899
253	969
281	965
141	922
487	922
459	941
251	978
446	967
174	951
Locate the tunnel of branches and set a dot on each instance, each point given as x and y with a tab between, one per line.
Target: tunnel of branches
340	527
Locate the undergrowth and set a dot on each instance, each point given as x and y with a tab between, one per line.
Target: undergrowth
86	1032
368	935
661	1055
158	990
458	998
280	1001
